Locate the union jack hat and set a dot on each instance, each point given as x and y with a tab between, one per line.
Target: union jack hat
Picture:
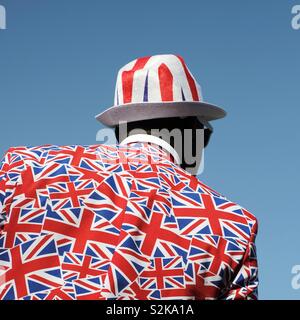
159	86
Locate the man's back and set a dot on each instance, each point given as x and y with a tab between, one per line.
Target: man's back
118	222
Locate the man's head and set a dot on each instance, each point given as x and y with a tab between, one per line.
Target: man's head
186	135
160	93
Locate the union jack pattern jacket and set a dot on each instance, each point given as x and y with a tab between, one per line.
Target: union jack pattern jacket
118	222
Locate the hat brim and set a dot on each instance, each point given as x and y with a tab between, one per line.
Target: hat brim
145	111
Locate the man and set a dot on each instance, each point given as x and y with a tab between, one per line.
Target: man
127	221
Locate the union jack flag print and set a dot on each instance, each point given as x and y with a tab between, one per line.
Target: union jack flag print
118	223
29	268
79	230
163	273
78	266
65	292
89	288
69	194
22	225
155	78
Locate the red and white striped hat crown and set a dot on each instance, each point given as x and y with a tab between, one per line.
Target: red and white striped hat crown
158	86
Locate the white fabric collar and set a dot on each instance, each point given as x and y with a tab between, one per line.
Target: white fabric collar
152	139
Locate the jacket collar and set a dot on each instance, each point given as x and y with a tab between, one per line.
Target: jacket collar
152	139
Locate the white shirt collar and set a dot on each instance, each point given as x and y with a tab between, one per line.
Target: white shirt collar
152	139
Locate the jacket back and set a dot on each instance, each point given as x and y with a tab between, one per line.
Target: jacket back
118	222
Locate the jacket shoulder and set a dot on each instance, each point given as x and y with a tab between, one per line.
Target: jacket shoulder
22	153
45	152
240	214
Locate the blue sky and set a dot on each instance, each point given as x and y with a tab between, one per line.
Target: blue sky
58	64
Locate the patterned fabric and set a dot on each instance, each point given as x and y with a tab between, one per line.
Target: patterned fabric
118	222
158	78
